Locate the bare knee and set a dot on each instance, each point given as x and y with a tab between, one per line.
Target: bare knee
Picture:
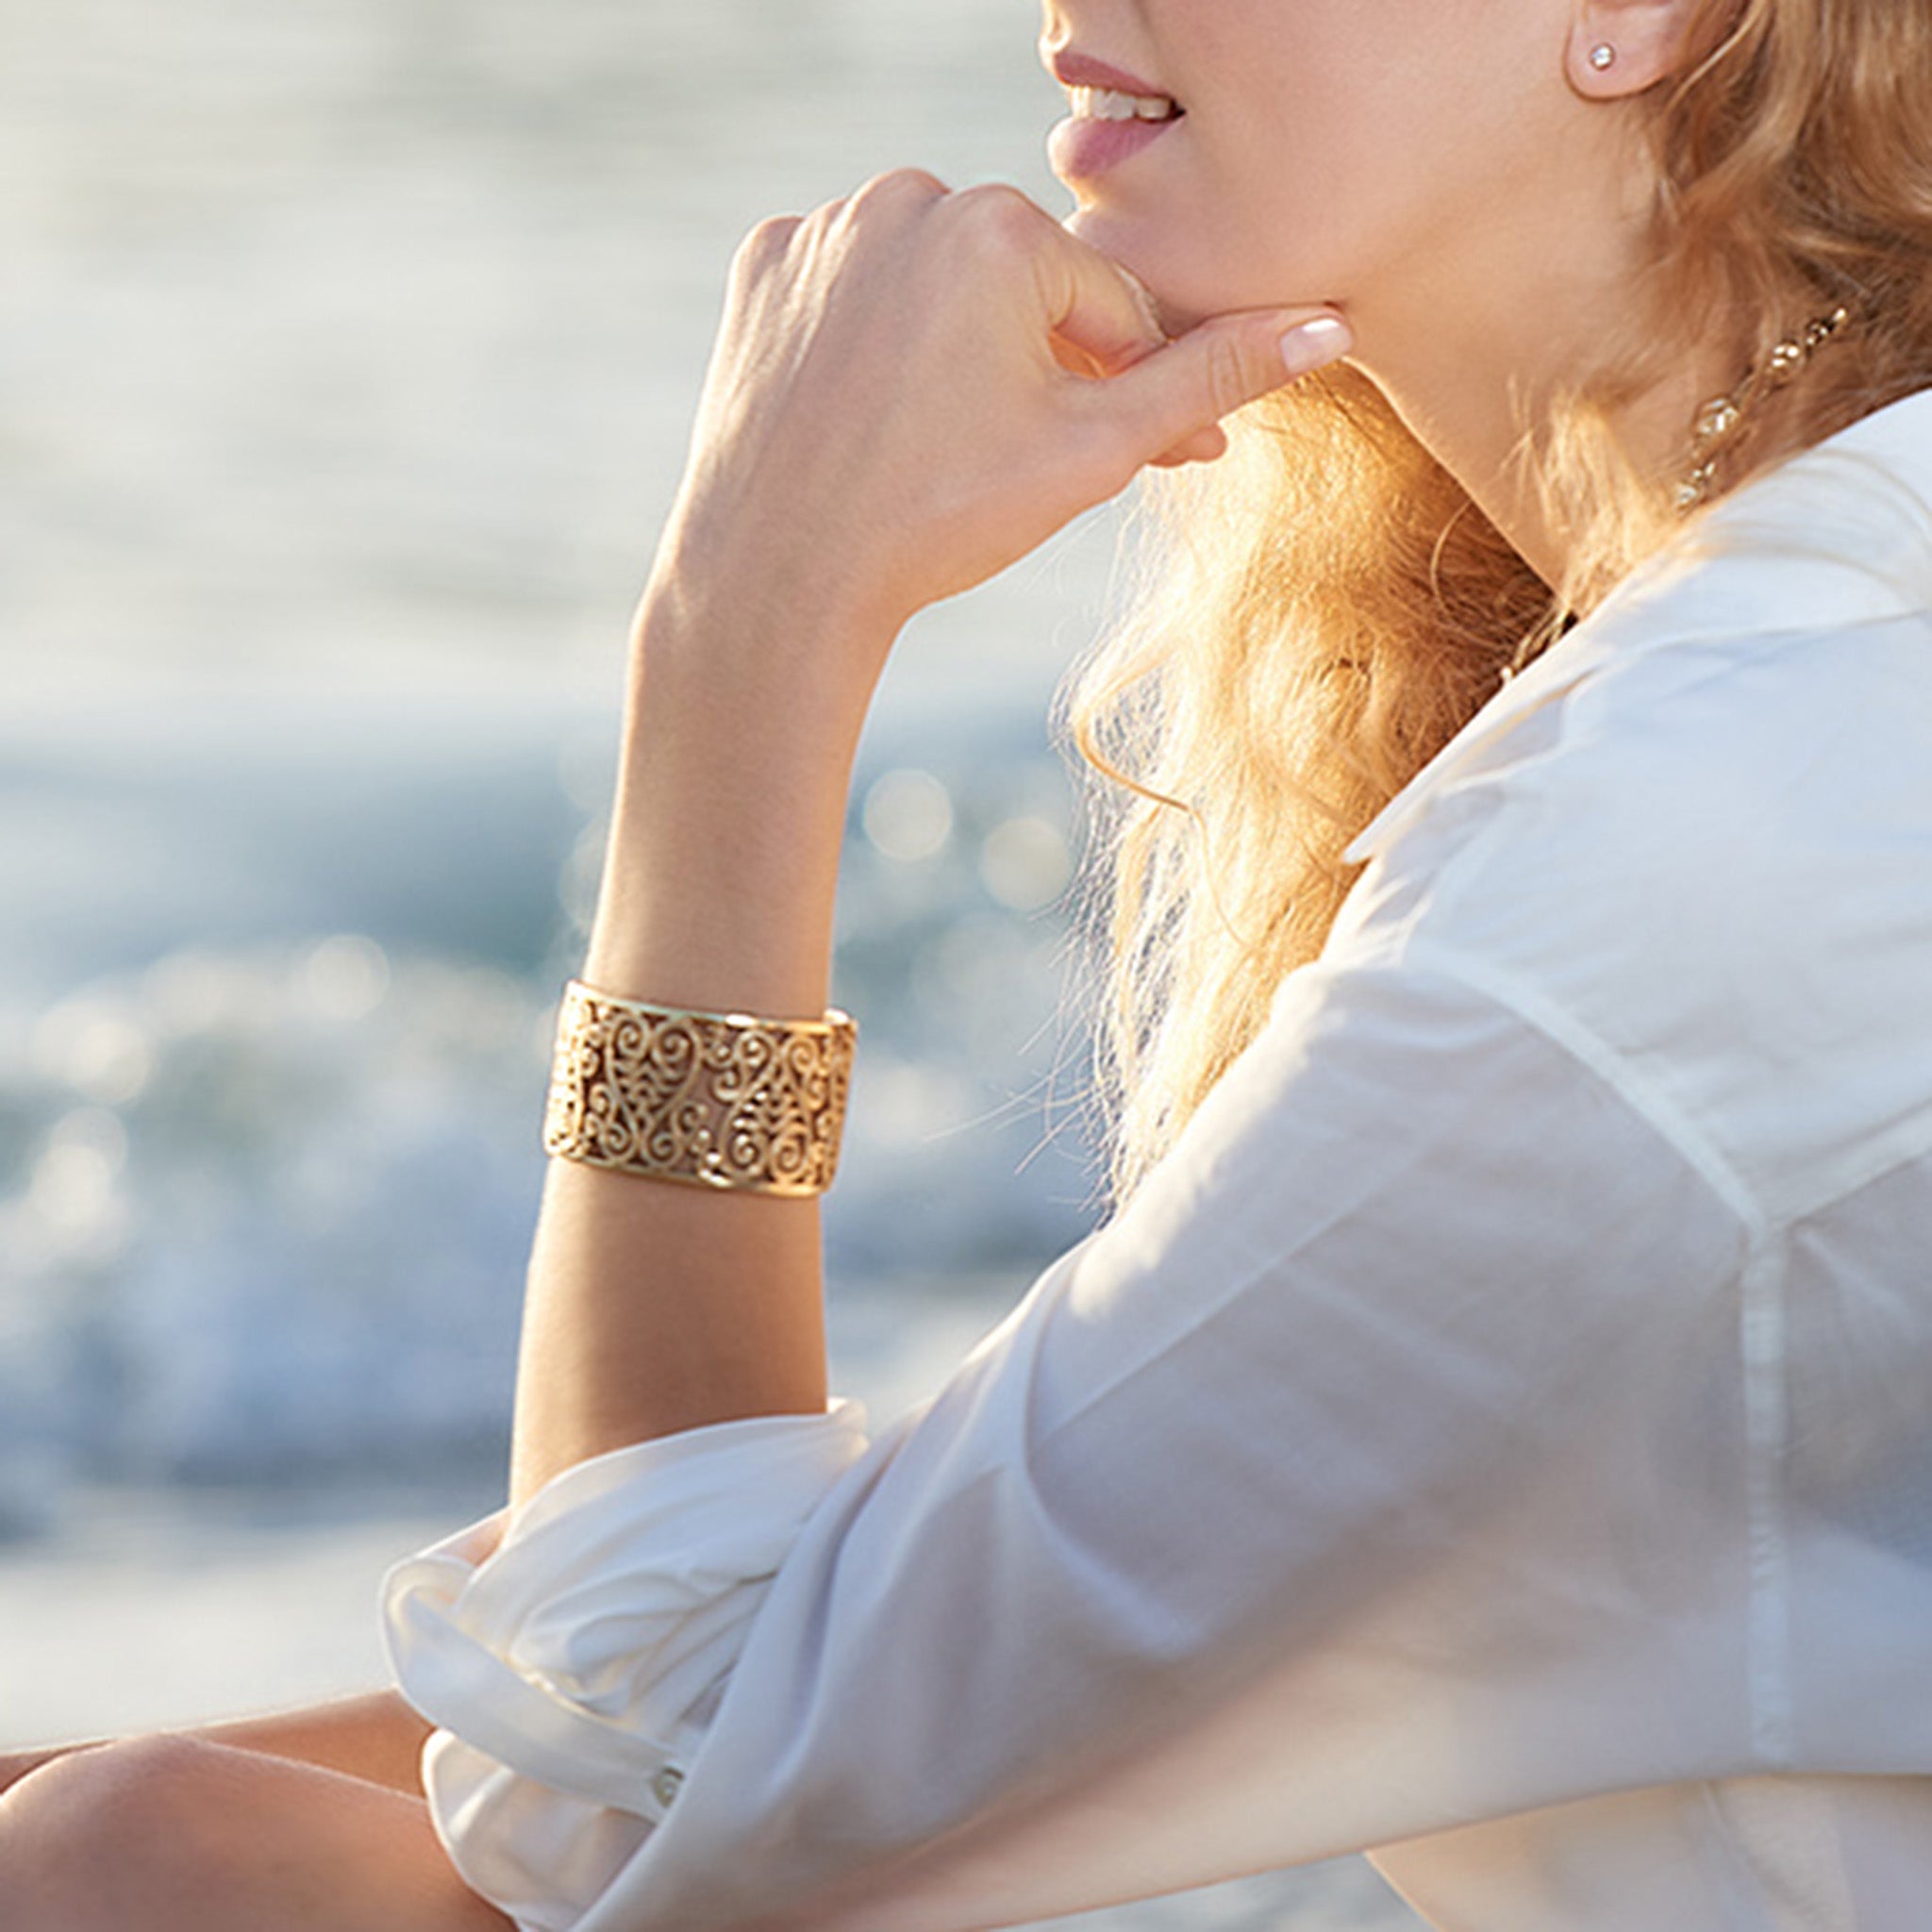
174	1834
130	1785
67	1829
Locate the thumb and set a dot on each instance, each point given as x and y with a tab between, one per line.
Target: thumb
1216	368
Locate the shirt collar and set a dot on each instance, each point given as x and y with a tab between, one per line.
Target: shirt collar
1839	533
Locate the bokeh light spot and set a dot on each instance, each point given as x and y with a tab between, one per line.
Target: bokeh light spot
1025	863
345	978
96	1050
909	815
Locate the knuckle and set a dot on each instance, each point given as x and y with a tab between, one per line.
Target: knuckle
1004	211
910	184
765	241
1229	378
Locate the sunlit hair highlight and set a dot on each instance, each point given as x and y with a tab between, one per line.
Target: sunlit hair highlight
1305	622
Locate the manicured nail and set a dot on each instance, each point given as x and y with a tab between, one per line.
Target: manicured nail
1309	344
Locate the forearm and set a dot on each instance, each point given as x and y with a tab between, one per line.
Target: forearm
653	1307
374	1735
884	425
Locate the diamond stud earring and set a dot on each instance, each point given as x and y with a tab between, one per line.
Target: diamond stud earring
1601	57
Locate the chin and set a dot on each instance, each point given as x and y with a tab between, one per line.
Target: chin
1174	310
1179	302
1185	294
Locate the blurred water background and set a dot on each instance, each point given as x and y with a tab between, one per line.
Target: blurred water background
348	350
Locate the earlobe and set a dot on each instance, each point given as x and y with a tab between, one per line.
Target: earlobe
1598	70
1622	47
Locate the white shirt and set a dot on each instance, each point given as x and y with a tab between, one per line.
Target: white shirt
1499	1435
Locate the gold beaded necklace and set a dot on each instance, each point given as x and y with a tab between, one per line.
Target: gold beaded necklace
1712	433
1717	423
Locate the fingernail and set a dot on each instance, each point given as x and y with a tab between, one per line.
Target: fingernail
1309	344
1143	300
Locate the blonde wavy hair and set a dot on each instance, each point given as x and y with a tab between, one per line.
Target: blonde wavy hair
1312	618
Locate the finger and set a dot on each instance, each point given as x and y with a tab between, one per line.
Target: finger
1211	372
1092	301
1204	446
1077	362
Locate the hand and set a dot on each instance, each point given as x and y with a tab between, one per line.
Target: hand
912	387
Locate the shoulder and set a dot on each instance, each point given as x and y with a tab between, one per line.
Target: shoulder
1710	853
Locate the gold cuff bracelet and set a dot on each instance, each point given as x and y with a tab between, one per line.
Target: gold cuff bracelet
716	1099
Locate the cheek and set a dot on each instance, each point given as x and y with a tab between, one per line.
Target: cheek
1261	199
1335	152
1332	149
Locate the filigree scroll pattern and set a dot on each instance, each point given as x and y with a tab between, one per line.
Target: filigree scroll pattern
721	1099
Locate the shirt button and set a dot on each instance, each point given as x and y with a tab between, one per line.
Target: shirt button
666	1785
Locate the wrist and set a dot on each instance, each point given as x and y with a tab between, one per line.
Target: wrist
722	871
809	646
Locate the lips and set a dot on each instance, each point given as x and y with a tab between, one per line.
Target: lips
1072	69
1080	150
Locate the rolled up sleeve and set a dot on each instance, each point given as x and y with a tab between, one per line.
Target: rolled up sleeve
569	1652
1381	1466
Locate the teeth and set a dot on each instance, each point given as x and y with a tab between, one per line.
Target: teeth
1103	104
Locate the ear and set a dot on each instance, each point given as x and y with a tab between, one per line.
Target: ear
1622	47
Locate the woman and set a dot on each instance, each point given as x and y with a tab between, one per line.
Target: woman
1490	1429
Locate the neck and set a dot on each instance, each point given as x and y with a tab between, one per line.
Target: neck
1476	348
1482	401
